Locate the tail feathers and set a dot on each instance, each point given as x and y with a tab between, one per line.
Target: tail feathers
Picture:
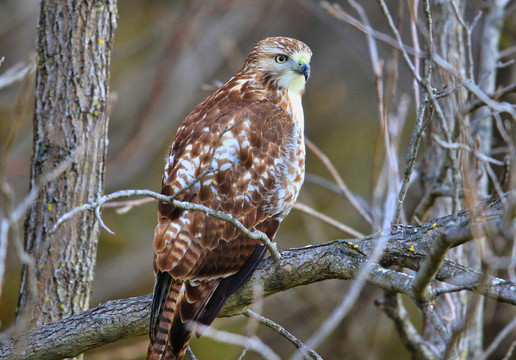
166	294
173	313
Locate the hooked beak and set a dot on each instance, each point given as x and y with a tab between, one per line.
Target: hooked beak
304	68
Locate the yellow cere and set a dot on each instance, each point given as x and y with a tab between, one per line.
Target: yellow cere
302	60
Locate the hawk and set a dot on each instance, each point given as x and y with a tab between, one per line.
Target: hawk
240	151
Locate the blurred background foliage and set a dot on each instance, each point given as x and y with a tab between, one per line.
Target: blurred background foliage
168	56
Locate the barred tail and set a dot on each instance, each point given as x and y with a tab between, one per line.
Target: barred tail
176	306
166	294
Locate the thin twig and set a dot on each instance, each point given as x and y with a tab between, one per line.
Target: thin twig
510	351
252	343
342	185
456	146
256	234
283	332
190	353
126	206
17	72
325	218
393	307
424	113
336	11
402	47
476	104
428	310
341	310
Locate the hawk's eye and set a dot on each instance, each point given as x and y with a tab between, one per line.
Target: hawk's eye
280	59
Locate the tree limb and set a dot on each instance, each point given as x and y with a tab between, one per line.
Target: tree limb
341	259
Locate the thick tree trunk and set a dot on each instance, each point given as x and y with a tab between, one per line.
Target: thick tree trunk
70	131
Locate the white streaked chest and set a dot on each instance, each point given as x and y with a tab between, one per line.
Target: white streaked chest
296	109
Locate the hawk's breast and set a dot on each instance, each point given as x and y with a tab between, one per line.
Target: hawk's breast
290	164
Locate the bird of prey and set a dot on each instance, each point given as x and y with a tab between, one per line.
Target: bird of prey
241	151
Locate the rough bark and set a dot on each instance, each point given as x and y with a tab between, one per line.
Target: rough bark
74	45
451	42
407	247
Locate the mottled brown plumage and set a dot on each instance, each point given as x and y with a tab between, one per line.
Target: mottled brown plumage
241	151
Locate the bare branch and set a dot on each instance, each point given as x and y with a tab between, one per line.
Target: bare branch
499	338
17	72
251	343
325	218
256	234
338	179
283	332
339	259
394	309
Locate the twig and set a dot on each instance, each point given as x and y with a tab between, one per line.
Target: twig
476	104
256	234
338	179
393	307
391	160
401	46
243	354
510	351
252	343
456	146
415	141
336	11
190	353
4	232
429	312
15	214
424	114
341	310
501	107
16	72
325	218
126	206
283	332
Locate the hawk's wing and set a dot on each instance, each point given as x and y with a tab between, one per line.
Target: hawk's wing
239	152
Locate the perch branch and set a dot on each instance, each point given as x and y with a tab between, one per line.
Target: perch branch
407	246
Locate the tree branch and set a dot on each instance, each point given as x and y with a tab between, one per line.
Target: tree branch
407	246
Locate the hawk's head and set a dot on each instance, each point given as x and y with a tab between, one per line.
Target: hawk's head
280	63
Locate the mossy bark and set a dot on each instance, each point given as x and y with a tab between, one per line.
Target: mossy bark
74	45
